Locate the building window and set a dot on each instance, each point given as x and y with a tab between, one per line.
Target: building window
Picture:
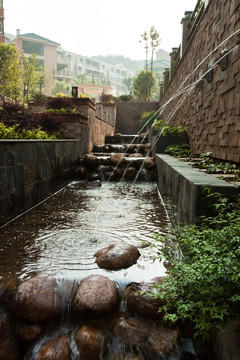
30	47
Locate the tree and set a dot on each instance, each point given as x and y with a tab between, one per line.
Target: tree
154	38
144	85
155	41
128	82
10	71
60	87
33	76
145	38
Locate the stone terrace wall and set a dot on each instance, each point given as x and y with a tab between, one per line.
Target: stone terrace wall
30	170
211	112
129	113
94	122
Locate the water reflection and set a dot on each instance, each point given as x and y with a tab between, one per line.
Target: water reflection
62	234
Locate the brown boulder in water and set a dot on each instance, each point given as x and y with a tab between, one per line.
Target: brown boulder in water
117	256
57	349
96	295
36	299
140	301
90	342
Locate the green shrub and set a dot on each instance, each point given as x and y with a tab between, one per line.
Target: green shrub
13	132
63	111
147	115
203	282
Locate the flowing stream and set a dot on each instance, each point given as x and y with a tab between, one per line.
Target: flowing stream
62	234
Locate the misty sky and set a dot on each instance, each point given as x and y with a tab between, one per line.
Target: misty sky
99	27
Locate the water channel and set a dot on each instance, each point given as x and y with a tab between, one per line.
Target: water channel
61	235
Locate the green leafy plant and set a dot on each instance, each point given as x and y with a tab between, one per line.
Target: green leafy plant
125	97
13	132
174	130
203	282
37	97
63	111
182	151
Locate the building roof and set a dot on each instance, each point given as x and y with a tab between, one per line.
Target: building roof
38	37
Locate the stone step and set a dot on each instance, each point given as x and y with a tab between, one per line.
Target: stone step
126	139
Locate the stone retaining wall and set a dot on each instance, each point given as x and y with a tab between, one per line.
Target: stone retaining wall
31	170
183	185
211	110
94	122
129	114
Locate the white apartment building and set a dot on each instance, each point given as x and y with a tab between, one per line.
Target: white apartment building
61	64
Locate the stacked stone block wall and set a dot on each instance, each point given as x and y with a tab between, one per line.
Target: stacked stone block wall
129	114
30	170
211	110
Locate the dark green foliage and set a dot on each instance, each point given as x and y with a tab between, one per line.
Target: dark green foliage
60	103
38	97
14	114
51	124
203	259
125	97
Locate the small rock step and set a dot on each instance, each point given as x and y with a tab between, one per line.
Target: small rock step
126	139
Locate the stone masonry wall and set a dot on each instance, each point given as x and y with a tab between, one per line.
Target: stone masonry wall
211	110
129	113
31	170
94	122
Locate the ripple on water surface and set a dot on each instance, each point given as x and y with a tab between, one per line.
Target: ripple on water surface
62	234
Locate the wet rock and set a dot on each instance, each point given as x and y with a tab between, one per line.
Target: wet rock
118	159
113	139
130	331
81	172
163	341
91	160
36	299
149	163
117	256
94	176
29	333
141	148
57	349
137	155
104	161
143	137
140	302
130	173
93	184
9	347
90	342
96	295
130	148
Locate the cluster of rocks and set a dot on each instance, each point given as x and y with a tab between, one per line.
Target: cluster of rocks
37	302
114	161
109	322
